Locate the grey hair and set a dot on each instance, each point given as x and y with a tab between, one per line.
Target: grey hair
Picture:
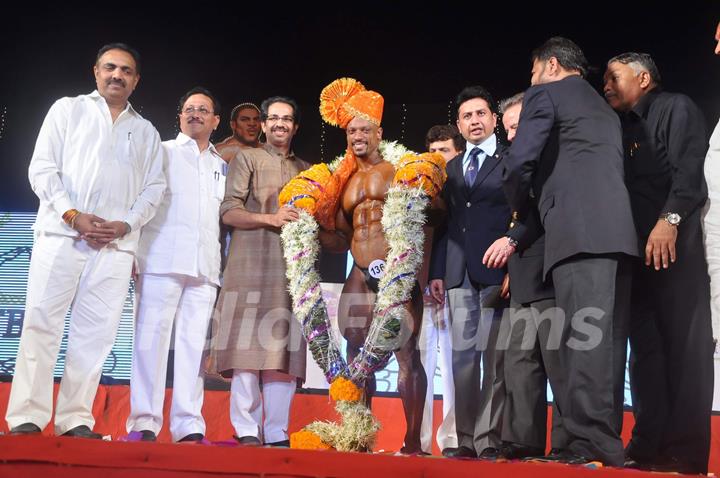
512	101
639	62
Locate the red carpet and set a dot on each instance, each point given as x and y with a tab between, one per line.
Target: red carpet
40	456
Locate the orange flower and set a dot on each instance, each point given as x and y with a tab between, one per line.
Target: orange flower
306	189
306	440
345	390
426	170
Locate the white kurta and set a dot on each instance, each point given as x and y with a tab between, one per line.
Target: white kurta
82	160
711	226
179	266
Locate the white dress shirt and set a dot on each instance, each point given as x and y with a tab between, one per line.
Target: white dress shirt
84	161
487	147
184	235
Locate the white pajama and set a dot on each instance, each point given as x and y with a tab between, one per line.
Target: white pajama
164	300
436	350
247	404
64	271
711	226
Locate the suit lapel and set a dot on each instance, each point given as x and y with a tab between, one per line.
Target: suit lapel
487	167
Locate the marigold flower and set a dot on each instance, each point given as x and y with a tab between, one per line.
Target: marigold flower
345	390
306	440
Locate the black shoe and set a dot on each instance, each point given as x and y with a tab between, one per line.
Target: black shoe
25	429
570	458
459	452
673	464
248	440
517	451
490	453
82	431
147	435
555	455
193	437
281	443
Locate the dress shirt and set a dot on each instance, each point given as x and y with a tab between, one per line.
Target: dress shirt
85	161
487	147
712	165
184	235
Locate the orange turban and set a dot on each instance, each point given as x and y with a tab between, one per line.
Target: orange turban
346	98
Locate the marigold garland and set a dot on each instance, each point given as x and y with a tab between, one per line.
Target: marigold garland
307	440
418	178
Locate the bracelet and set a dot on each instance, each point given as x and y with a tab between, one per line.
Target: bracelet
70	216
512	242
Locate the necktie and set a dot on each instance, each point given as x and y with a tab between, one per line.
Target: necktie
472	169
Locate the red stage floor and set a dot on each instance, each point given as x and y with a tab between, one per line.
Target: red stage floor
78	457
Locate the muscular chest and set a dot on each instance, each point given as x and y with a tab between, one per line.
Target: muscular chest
367	185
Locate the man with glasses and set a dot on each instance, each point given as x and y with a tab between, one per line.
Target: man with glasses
179	274
245	125
97	170
255	339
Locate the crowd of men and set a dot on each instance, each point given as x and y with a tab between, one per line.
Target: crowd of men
544	257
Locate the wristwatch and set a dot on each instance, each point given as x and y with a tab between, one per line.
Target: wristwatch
512	242
672	218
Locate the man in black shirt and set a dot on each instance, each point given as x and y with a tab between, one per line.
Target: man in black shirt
671	366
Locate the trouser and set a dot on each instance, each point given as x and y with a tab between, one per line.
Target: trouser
164	299
532	359
65	271
475	313
593	291
247	405
671	362
436	351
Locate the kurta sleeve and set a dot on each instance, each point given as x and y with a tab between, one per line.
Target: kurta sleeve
154	185
238	182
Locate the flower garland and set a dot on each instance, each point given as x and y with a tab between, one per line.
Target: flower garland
417	179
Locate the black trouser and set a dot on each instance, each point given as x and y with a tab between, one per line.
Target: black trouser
671	361
594	292
531	359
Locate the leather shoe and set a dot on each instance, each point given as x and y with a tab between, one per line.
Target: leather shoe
490	453
82	431
570	458
281	443
248	440
673	464
147	435
459	452
517	451
193	437
25	429
555	455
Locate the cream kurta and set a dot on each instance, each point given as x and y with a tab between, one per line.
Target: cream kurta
250	328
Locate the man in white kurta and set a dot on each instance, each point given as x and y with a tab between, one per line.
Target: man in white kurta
97	170
179	269
711	218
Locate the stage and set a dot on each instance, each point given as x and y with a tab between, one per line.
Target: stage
47	455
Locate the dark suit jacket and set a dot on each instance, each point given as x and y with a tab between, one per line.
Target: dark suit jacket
525	266
568	154
476	218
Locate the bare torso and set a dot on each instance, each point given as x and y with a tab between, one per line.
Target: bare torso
229	147
362	202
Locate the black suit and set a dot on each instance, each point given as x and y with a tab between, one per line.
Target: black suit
671	365
477	216
532	357
568	154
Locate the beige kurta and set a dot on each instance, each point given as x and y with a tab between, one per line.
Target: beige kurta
253	327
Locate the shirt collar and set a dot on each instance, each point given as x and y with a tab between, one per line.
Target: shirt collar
273	151
182	139
95	95
488	146
643	105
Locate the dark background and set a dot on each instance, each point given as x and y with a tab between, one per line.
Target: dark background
418	56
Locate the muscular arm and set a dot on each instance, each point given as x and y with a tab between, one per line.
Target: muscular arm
337	241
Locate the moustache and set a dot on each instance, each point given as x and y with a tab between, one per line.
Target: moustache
116	82
194	119
279	128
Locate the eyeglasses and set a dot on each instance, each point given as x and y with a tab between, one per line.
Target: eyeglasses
190	110
276	119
